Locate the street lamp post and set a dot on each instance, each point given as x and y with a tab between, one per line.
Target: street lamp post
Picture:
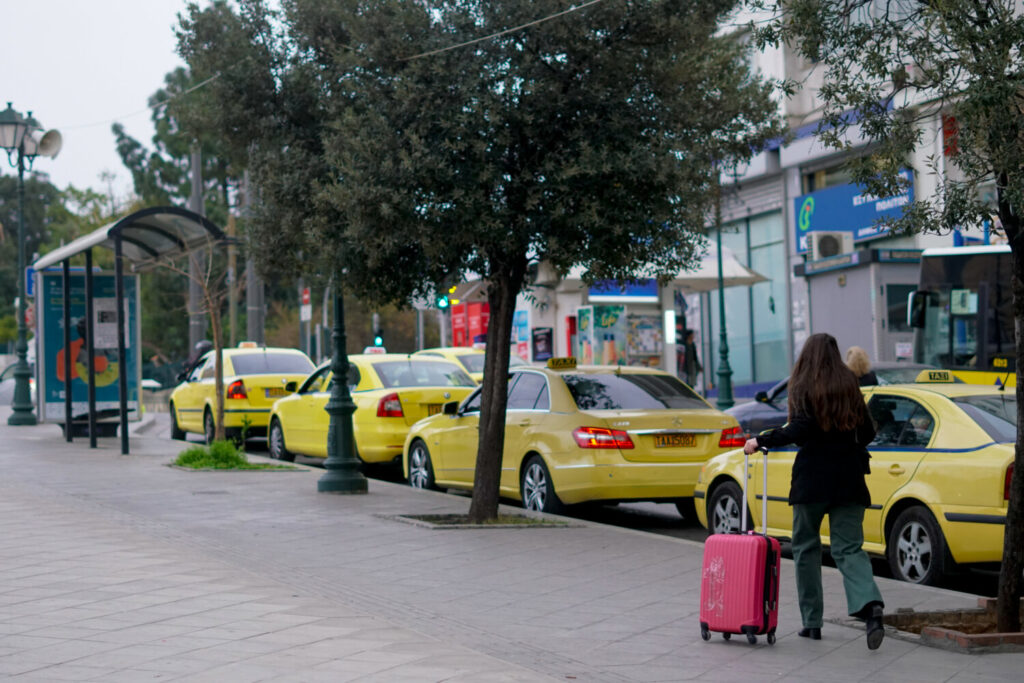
343	475
725	399
18	137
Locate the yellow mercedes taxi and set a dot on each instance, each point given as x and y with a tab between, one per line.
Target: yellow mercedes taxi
254	377
577	434
391	392
941	464
468	358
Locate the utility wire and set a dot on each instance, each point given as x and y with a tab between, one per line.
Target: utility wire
506	31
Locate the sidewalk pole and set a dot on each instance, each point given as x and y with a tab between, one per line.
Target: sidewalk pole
343	475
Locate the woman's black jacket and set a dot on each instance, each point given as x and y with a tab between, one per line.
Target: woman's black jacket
830	466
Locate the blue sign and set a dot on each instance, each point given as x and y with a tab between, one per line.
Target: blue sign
609	291
846	208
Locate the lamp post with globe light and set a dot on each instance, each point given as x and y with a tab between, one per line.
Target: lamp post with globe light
19	135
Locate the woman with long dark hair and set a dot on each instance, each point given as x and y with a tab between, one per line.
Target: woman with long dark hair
829	421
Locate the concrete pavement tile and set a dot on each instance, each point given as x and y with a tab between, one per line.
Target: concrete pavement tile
64	672
19	663
133	675
236	673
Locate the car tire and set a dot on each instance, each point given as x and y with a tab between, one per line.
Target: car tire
209	427
724	509
916	548
177	433
536	488
421	467
687	509
275	443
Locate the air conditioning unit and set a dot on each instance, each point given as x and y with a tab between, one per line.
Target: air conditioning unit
824	244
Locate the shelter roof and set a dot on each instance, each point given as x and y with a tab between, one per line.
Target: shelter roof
148	236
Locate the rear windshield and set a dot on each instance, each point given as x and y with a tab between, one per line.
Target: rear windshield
474	362
421	373
997	415
271	364
631	392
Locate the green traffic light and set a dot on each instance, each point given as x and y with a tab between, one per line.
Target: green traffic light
442	302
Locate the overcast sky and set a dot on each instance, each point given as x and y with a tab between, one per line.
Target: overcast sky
79	66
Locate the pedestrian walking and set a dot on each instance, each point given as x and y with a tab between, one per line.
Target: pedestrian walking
857	360
830	423
691	363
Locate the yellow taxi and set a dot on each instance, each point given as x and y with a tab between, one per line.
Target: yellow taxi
941	464
468	358
577	434
391	392
254	378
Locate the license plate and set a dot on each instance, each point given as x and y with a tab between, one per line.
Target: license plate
675	440
274	392
433	408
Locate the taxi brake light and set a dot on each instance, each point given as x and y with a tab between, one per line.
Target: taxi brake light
390	406
237	390
1006	484
733	437
599	437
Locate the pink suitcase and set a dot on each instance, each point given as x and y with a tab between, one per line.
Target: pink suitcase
739	590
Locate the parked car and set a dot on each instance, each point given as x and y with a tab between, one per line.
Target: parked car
254	378
769	408
469	359
941	464
577	434
391	392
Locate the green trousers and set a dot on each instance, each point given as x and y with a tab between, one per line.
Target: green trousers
846	531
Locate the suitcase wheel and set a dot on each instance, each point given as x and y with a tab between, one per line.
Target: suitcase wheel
726	636
751	638
771	638
705	633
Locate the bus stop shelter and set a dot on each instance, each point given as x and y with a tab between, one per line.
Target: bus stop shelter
145	239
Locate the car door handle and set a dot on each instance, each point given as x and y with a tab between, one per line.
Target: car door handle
896	469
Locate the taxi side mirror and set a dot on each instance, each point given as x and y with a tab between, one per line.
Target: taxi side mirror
761	397
450	408
290	387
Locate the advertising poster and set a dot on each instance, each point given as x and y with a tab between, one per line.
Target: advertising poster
105	362
521	334
543	343
610	330
585	335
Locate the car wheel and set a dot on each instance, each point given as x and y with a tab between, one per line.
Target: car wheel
687	509
275	443
724	508
421	469
916	547
536	487
176	432
209	428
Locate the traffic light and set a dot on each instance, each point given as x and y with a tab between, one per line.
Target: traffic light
378	338
444	299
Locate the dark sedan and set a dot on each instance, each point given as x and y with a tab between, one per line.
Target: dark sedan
769	409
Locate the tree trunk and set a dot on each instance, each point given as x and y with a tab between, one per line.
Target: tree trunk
501	296
1010	574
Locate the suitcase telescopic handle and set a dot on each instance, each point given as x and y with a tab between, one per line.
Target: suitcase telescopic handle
764	492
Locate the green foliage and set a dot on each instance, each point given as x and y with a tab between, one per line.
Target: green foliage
220	455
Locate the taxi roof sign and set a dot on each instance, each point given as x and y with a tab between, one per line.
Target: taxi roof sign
565	363
935	377
248	345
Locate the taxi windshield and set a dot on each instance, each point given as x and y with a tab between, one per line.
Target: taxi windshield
418	373
271	364
631	392
997	415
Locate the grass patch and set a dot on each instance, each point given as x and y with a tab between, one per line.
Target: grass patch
220	455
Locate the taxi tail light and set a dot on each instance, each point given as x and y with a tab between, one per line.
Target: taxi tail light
733	437
599	437
390	406
237	390
1006	484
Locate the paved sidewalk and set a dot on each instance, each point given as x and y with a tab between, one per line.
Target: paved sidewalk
118	568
